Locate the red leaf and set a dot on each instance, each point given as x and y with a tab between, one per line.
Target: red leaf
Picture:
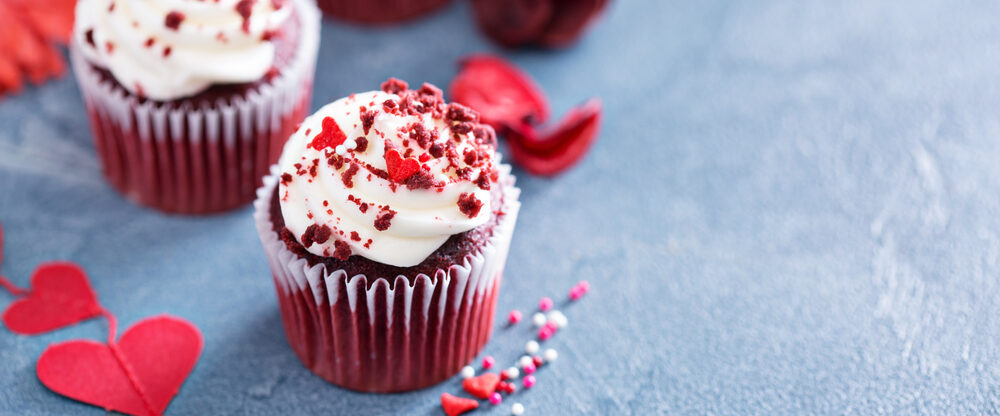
454	406
60	296
500	92
552	152
138	375
482	386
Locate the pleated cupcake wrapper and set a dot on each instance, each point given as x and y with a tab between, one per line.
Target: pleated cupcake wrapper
200	159
387	336
378	11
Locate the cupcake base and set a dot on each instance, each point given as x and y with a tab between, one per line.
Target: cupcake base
207	153
381	335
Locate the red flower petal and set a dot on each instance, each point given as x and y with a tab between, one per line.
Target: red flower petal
500	92
554	151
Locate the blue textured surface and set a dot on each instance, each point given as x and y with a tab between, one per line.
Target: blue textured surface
793	209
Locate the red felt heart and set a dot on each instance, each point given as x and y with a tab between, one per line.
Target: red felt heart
60	296
158	354
454	406
400	169
482	386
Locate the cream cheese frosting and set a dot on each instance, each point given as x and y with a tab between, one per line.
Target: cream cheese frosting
168	49
388	175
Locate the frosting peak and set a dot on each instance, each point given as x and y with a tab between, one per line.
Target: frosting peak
167	49
388	175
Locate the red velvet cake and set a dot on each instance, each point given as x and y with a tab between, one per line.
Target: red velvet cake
378	11
190	106
386	224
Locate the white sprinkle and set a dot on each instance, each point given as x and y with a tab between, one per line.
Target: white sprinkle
550	355
531	347
524	361
558	318
468	371
350	144
538	319
512	372
340	149
517	409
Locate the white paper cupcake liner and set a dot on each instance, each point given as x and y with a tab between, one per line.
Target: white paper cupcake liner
387	336
198	159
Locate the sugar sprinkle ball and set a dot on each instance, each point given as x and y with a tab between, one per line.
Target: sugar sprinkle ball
492	386
514	317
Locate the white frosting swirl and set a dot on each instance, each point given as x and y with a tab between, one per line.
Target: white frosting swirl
167	49
424	216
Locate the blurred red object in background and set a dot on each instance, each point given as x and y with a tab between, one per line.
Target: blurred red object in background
31	32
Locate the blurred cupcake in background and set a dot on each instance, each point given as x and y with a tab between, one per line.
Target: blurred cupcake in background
378	11
387	224
191	101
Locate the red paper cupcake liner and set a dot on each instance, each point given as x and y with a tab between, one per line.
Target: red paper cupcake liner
198	159
378	11
387	336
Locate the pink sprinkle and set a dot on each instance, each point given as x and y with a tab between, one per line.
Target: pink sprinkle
514	316
579	290
529	369
529	381
545	304
544	333
495	398
488	362
552	327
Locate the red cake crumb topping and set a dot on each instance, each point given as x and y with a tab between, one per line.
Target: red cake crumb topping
469	204
362	144
355	236
394	86
173	20
89	36
341	250
245	8
384	219
367	119
286	178
316	234
348	175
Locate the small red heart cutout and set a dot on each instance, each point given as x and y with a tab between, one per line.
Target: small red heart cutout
454	406
158	352
400	169
60	296
482	386
330	137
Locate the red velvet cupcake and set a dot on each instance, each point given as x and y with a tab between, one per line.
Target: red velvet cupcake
190	105
387	224
378	11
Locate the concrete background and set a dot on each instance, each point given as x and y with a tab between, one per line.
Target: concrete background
792	209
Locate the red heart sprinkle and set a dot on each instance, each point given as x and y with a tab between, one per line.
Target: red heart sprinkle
400	169
60	296
454	406
331	136
158	354
552	152
500	92
482	386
